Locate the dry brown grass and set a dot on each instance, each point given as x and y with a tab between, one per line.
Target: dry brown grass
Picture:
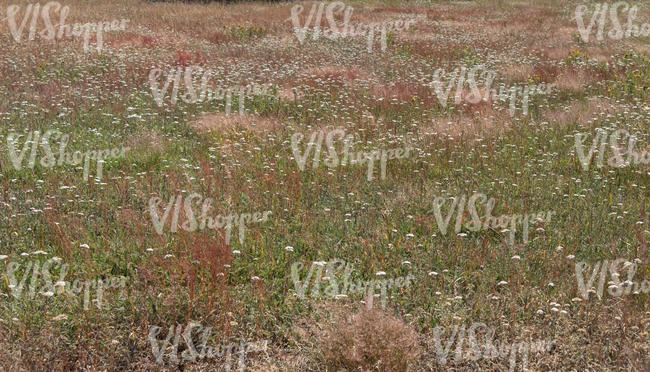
516	72
580	112
221	122
370	340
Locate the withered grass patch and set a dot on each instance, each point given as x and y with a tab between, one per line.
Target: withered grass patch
222	122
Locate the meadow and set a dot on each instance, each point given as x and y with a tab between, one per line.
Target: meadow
196	202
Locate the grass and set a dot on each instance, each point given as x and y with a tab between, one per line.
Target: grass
526	163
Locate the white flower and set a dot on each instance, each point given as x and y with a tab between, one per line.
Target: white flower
169	256
380	273
24	254
495	298
288	248
515	257
149	249
39	252
555	309
236	252
406	262
409	235
254	278
3	257
433	273
559	248
570	257
84	246
540	312
503	282
48	294
551	284
462	235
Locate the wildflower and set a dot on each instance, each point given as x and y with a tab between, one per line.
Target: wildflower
288	248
